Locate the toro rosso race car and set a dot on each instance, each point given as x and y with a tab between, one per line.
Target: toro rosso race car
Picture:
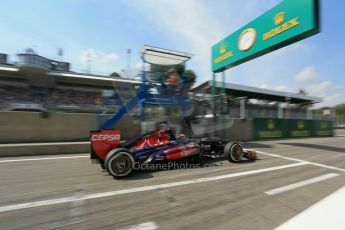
119	157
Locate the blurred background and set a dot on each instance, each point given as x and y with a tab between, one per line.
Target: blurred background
61	77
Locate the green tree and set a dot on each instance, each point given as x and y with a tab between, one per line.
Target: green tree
340	109
189	76
158	72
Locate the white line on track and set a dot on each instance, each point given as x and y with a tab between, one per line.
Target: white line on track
301	184
326	214
301	161
141	189
142	226
43	158
43	144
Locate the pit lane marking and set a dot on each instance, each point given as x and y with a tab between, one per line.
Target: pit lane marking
325	214
301	161
141	189
301	184
43	159
142	226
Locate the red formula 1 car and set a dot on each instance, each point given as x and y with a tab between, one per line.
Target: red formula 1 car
119	157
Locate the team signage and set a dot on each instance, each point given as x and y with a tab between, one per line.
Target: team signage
288	22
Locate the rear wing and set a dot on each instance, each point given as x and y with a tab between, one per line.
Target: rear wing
103	141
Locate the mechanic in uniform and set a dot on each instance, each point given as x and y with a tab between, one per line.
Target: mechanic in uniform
172	81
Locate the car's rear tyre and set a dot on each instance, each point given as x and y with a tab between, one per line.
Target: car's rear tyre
233	152
119	162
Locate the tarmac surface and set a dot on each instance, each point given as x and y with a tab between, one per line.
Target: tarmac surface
68	192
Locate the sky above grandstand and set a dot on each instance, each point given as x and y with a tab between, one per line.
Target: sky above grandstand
106	29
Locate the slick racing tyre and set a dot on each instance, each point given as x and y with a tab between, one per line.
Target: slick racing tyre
119	162
233	152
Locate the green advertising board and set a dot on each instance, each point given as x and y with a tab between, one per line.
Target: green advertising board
322	128
268	128
288	22
299	128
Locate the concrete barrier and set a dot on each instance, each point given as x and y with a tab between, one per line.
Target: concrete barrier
34	149
72	128
29	127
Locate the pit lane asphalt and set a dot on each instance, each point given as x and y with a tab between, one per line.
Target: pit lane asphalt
236	202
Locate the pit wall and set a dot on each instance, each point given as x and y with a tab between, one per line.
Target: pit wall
35	149
33	127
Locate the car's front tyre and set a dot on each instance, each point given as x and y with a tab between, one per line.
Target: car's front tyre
233	152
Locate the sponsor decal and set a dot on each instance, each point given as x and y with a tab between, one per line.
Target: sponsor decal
222	50
270	134
300	132
224	54
106	137
104	141
279	18
270	124
324	129
323	125
282	27
324	132
300	125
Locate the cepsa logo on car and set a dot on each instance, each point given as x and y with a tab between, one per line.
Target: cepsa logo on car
106	137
